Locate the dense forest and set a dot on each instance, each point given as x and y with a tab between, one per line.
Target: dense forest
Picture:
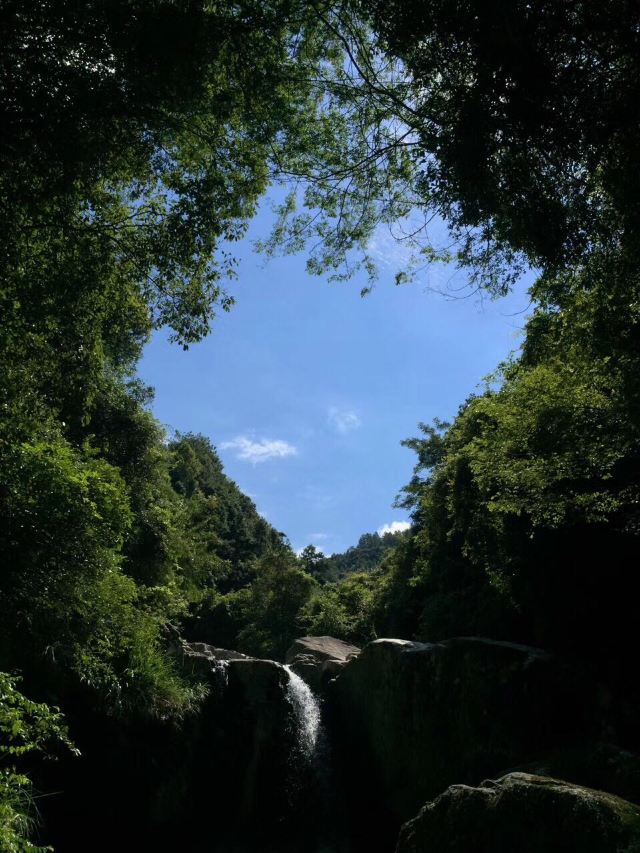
136	142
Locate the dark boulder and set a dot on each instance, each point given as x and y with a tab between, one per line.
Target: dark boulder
524	813
409	719
248	730
225	778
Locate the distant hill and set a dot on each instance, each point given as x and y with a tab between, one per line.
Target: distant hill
363	557
225	530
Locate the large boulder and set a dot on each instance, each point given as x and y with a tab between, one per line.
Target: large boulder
524	813
321	649
410	718
319	659
247	726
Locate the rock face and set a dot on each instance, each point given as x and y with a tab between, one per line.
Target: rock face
200	658
409	719
524	813
319	659
247	730
224	779
322	649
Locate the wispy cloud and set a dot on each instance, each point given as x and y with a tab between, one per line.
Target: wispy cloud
259	450
393	527
389	250
318	537
343	420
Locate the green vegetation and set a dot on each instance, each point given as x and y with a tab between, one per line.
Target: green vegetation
365	556
137	141
26	727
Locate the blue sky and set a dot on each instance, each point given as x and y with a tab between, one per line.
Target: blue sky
307	389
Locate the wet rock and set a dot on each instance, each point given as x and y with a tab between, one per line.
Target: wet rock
525	813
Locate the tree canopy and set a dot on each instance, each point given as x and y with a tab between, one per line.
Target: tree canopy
527	120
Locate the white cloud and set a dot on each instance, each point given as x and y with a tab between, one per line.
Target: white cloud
343	420
393	527
390	250
251	450
317	537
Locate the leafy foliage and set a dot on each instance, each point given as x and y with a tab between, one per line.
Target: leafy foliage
520	504
365	556
343	609
25	727
226	533
526	124
145	133
261	619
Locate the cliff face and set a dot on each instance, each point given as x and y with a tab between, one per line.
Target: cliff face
232	774
420	717
408	720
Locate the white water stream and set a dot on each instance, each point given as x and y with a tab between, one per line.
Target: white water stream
306	708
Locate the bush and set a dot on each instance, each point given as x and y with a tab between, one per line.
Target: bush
25	727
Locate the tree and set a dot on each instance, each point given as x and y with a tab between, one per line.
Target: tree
526	506
313	562
343	609
526	123
275	598
516	128
143	133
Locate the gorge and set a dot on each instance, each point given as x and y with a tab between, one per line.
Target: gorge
414	747
179	675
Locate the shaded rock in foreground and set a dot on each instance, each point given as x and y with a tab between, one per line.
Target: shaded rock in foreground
524	813
409	719
603	766
319	659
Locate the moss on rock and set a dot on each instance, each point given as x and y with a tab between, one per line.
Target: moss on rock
525	813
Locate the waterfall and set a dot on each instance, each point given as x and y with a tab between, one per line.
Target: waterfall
306	707
220	675
319	829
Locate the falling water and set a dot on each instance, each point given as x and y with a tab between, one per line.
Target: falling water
220	675
306	707
319	829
